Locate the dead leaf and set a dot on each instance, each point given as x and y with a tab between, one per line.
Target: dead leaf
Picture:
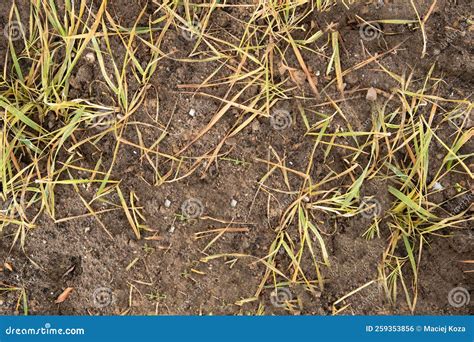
314	77
282	68
65	295
298	76
8	266
154	238
304	68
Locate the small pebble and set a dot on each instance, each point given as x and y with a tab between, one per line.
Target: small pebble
87	230
255	126
437	186
90	57
192	112
233	203
167	203
51	121
172	228
371	94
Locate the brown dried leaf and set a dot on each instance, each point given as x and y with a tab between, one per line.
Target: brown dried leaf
298	76
282	68
154	238
8	266
314	77
65	295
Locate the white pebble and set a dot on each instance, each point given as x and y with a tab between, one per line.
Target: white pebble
167	203
371	94
90	57
192	112
233	203
172	228
437	186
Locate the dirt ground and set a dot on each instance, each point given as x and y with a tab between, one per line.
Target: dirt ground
169	276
